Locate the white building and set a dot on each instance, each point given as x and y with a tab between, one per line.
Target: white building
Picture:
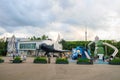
29	47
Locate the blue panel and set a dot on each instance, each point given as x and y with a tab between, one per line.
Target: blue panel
79	51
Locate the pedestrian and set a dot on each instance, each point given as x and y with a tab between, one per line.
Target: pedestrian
24	57
111	58
103	59
13	55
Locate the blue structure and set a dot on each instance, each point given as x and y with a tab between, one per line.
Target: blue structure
79	52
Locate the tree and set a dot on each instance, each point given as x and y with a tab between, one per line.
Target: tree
3	47
43	37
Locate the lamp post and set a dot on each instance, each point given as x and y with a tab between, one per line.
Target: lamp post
105	49
86	36
86	33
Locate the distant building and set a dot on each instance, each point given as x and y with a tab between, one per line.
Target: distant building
27	46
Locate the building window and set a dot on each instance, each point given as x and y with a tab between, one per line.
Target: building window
28	46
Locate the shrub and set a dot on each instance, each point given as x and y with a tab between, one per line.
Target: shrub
40	60
62	61
1	60
115	61
17	60
84	61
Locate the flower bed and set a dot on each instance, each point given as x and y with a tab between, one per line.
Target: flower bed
40	60
1	60
62	61
84	61
17	60
115	62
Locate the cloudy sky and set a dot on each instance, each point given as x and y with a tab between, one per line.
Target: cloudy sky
69	18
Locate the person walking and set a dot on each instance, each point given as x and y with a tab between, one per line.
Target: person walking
103	59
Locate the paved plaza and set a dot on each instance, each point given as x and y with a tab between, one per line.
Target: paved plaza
31	71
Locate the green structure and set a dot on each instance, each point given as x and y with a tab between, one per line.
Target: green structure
99	49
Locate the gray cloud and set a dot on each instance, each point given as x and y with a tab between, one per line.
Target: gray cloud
25	13
58	15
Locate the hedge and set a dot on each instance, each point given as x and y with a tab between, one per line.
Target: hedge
40	60
84	61
62	61
115	62
17	60
1	60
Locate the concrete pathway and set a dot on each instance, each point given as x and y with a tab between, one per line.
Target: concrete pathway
31	71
